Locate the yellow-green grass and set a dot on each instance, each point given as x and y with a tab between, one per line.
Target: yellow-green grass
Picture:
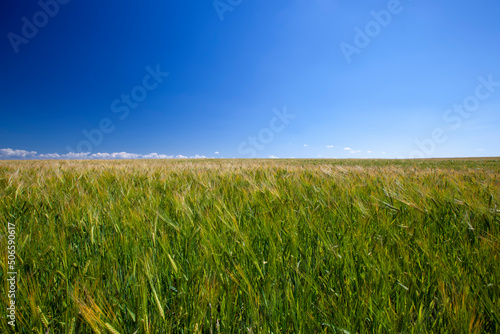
254	246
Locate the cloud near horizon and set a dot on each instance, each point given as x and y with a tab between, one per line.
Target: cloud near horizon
11	154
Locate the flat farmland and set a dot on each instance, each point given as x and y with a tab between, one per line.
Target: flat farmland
254	246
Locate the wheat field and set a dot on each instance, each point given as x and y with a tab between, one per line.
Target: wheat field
253	246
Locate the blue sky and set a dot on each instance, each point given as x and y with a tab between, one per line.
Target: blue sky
297	78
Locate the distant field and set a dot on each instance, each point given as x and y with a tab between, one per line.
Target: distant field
253	246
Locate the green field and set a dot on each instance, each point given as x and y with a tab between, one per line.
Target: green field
253	246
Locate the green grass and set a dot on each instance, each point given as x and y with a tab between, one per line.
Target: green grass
253	246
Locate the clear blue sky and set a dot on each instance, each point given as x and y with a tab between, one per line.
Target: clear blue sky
233	69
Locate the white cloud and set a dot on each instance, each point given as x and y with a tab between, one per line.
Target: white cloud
116	155
273	157
73	155
329	146
157	156
50	156
305	145
351	150
8	153
125	155
100	156
217	152
368	152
